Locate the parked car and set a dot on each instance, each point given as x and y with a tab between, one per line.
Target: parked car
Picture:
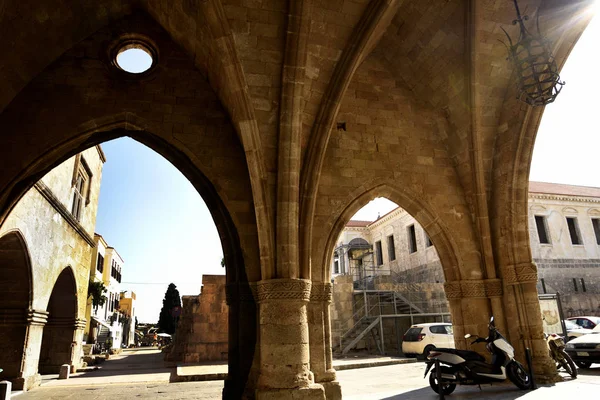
574	330
586	322
420	339
585	349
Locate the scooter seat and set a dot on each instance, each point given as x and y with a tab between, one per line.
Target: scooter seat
466	354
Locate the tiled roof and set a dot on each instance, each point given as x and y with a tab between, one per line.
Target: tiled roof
559	188
357	223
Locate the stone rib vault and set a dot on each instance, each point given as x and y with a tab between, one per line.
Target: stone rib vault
288	117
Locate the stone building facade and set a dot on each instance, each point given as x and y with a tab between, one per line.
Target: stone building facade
564	226
288	117
564	232
46	245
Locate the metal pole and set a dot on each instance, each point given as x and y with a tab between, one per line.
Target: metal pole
398	344
530	366
382	339
438	376
562	317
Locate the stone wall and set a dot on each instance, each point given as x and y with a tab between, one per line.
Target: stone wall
342	307
426	295
562	276
202	330
55	241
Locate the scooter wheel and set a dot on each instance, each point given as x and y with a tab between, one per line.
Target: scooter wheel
568	364
447	388
517	375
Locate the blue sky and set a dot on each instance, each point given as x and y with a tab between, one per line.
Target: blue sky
161	227
150	213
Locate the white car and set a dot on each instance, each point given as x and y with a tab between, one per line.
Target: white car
420	339
585	349
574	330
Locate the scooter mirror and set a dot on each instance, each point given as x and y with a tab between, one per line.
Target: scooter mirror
468	335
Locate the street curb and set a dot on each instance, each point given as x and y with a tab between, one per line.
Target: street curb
223	375
343	367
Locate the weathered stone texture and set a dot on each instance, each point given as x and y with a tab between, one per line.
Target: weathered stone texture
51	248
202	329
243	99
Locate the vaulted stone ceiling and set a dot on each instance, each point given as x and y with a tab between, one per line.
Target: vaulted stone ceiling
444	55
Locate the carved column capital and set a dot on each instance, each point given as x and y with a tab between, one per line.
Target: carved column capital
283	289
473	288
23	317
520	273
321	292
37	317
80	323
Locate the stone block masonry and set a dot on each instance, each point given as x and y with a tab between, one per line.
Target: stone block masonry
202	331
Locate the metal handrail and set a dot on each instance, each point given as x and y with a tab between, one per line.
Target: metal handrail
356	323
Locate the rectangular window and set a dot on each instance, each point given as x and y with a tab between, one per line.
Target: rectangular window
575	284
596	225
77	205
379	255
573	230
428	242
336	267
540	223
391	248
100	264
583	289
412	239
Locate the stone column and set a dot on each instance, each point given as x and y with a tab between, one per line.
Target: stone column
319	325
243	369
470	309
27	327
284	341
77	344
248	338
233	387
524	319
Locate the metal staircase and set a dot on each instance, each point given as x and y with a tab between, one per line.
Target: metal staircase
372	305
398	303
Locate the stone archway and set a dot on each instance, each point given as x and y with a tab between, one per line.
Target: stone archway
457	272
59	336
242	306
196	133
16	294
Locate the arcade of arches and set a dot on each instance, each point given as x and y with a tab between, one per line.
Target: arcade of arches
288	116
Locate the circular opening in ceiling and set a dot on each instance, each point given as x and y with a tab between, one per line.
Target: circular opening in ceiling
134	60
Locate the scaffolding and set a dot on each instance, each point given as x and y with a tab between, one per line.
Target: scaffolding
357	259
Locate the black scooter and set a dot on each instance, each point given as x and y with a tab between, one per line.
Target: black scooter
464	367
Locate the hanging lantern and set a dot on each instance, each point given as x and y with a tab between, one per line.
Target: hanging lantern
538	81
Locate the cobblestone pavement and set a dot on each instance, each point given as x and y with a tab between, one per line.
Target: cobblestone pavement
395	382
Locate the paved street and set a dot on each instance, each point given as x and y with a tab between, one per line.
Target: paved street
140	374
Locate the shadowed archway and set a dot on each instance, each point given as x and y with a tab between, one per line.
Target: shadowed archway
59	332
242	309
15	301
